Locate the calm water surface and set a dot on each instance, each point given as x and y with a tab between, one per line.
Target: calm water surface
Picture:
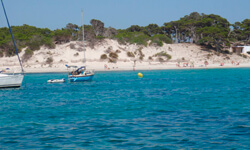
169	109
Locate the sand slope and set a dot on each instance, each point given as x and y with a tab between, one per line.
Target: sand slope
72	54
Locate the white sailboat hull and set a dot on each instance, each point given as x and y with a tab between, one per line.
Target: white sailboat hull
7	81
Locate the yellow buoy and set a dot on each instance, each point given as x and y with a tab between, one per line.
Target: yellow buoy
140	75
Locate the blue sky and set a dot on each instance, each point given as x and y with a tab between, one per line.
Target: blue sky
120	14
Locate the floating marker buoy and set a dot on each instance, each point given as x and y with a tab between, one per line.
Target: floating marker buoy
140	75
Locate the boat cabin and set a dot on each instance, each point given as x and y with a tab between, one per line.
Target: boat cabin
78	71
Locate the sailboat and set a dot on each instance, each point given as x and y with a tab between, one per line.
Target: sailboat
11	80
80	74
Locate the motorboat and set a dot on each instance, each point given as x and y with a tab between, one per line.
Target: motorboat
80	74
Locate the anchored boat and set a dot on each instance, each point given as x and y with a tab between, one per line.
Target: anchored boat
11	80
80	74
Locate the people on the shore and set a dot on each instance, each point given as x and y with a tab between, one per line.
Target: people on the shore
185	64
134	63
178	64
105	66
206	63
232	62
192	65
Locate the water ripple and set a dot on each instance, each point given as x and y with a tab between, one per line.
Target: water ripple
172	109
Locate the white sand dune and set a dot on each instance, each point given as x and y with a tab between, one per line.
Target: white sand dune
71	54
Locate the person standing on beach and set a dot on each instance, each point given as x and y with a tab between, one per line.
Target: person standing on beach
205	63
134	65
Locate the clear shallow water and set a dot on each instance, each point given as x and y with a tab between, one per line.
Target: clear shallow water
171	109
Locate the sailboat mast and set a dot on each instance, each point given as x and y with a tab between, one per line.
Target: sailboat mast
12	37
84	59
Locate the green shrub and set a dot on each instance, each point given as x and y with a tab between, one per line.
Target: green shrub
168	56
208	56
25	36
243	55
34	45
100	37
113	55
118	51
226	52
72	46
49	60
49	53
139	50
161	59
112	60
157	42
228	44
48	42
164	54
36	41
130	54
76	54
103	56
1	53
139	38
158	39
10	52
27	55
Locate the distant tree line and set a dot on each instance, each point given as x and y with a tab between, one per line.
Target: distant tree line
25	36
211	30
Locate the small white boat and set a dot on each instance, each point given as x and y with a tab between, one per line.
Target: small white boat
56	81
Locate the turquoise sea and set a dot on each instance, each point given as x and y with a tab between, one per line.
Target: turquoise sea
166	109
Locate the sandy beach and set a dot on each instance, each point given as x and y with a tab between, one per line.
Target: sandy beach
98	66
183	56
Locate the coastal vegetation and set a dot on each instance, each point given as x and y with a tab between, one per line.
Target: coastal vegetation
139	53
211	31
76	54
163	54
130	54
49	60
27	55
25	36
113	55
103	56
